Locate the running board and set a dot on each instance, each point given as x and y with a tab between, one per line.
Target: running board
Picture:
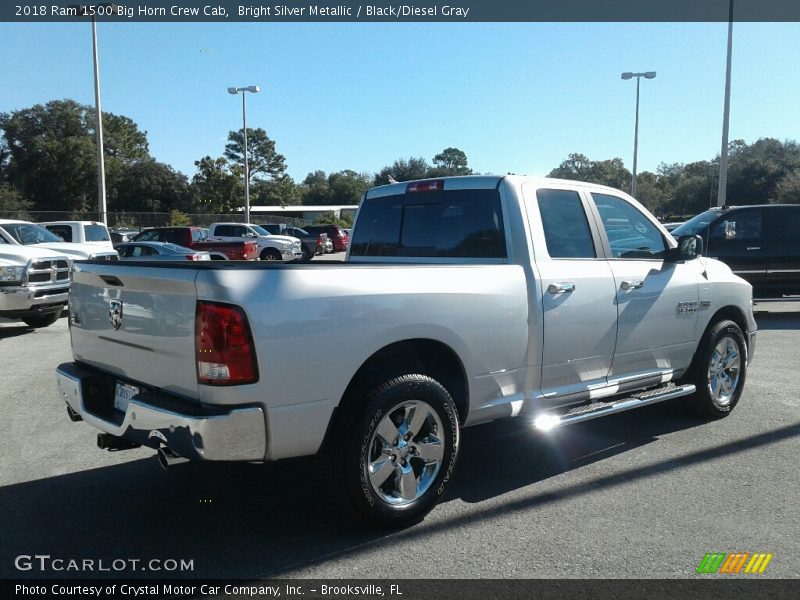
595	410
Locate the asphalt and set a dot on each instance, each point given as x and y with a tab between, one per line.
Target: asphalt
643	494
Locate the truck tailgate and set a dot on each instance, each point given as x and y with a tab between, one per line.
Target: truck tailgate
136	321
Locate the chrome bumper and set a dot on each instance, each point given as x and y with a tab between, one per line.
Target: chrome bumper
25	299
156	419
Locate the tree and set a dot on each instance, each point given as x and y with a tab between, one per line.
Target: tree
341	188
216	188
48	153
150	186
403	170
282	191
263	160
450	161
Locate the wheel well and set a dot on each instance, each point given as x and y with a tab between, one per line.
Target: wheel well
729	312
427	357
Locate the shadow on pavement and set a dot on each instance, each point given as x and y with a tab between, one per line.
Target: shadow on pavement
242	521
778	321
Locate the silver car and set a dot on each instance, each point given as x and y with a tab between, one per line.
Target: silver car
158	251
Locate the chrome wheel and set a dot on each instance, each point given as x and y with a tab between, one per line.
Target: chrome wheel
405	452
723	370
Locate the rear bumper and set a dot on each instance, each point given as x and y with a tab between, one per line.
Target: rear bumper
156	419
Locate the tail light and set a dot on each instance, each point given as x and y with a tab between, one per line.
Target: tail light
193	257
224	349
320	242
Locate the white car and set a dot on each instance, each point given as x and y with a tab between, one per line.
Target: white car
24	233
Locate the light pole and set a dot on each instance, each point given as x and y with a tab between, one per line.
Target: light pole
628	75
722	191
253	89
107	8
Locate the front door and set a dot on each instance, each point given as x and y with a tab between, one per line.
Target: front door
657	301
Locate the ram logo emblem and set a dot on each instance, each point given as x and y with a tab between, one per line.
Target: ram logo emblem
115	313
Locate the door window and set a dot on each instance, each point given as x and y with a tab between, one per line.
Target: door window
631	234
62	231
744	225
566	230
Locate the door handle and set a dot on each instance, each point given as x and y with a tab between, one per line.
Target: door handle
754	247
561	288
634	284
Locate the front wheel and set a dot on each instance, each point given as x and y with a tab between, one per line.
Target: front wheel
392	457
270	254
720	370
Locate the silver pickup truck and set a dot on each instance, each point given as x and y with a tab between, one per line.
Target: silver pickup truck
462	300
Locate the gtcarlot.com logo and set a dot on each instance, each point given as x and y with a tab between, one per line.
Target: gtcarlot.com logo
734	563
45	562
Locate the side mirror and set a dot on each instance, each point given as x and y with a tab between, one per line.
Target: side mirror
689	248
730	230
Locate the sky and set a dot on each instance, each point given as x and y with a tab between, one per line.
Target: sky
516	97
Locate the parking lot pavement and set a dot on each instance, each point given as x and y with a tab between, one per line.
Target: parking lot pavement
642	494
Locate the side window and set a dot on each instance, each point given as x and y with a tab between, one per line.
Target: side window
630	233
784	225
746	226
62	231
566	230
223	231
237	231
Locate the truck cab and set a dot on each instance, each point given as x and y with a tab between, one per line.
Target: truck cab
92	233
24	233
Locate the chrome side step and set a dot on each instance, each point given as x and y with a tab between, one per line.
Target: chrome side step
595	410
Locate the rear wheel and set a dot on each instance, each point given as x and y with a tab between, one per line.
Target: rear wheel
720	370
307	254
390	461
42	320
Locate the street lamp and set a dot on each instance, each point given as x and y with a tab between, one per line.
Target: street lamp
98	117
629	75
253	89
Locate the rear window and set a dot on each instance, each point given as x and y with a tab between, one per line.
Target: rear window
96	233
448	223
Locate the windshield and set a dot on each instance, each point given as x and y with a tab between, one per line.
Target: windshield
696	225
260	230
29	233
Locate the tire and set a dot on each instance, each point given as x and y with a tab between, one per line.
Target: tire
307	254
42	320
387	478
719	371
270	254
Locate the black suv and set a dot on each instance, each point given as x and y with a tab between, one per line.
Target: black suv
313	243
759	243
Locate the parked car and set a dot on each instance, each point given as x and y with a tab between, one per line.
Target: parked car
468	299
158	251
34	283
81	232
122	234
196	238
270	247
33	234
335	234
313	244
671	226
760	243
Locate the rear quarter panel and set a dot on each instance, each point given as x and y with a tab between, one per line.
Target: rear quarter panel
349	312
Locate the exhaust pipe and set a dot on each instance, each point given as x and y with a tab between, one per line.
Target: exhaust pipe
167	458
108	441
73	416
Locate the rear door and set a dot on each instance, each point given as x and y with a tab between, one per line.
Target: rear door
578	300
782	249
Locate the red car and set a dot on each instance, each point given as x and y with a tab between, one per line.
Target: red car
195	238
336	234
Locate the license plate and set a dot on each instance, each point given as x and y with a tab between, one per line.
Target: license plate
123	394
